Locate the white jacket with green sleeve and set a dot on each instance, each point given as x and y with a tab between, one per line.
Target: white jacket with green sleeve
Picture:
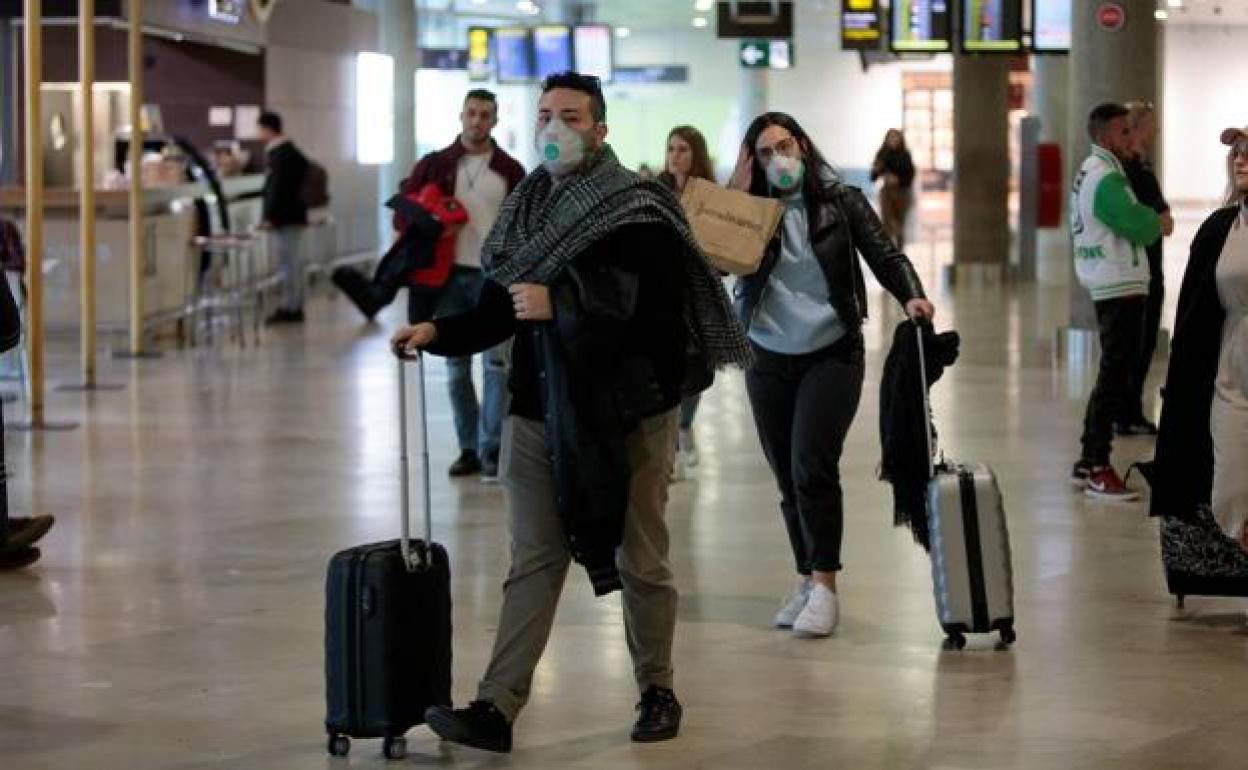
1110	229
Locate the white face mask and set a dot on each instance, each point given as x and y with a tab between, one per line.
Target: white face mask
784	173
562	150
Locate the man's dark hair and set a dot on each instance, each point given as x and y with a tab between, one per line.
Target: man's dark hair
1101	116
482	95
586	84
271	121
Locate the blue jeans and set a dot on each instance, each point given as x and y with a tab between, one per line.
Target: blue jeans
477	426
287	242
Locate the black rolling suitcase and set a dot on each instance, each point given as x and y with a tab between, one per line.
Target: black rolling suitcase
388	620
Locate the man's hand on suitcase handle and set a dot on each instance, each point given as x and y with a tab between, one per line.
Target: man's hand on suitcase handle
920	309
408	341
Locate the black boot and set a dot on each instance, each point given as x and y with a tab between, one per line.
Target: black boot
358	289
25	532
468	464
481	726
658	716
18	558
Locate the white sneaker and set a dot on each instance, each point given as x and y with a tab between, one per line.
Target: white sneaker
794	604
685	445
819	618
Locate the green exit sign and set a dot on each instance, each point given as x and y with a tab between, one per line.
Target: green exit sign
766	54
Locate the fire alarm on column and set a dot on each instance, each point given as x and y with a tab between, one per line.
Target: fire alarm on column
1111	17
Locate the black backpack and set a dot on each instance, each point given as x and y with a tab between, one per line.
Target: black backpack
314	193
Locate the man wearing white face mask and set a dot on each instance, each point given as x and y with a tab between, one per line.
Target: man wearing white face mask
579	270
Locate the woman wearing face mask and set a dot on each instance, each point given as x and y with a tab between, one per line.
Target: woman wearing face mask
1202	449
803	310
687	158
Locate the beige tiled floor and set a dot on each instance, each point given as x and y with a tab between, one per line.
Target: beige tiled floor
176	619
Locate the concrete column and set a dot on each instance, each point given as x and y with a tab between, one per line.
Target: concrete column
398	23
1108	66
981	245
1051	104
752	96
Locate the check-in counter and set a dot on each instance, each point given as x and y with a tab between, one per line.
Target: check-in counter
172	263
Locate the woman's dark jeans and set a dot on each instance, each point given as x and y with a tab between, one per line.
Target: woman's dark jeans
803	407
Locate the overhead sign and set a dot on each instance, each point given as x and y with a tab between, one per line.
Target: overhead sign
767	19
1111	17
659	73
862	29
766	54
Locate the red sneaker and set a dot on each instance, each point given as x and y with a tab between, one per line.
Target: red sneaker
1104	484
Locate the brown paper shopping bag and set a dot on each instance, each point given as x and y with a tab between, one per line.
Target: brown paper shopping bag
733	228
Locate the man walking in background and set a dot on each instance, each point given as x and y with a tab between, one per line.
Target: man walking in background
480	174
285	214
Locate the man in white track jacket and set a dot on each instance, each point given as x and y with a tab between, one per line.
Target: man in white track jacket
1111	229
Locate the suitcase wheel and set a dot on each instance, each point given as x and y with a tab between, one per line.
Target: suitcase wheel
955	642
394	748
339	745
1008	636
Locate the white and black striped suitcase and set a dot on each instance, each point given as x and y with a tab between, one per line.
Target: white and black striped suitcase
970	543
971	570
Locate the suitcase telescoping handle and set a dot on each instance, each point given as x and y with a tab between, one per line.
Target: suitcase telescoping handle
927	406
421	559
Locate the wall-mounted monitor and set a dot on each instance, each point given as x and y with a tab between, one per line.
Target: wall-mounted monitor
992	26
922	26
1051	25
862	28
513	47
595	55
552	49
480	53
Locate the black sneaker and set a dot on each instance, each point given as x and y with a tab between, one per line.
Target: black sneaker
658	716
18	558
26	531
1081	473
481	726
285	317
467	465
1140	426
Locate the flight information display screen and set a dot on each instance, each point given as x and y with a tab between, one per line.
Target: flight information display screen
552	47
514	48
594	54
861	26
921	26
990	26
1051	25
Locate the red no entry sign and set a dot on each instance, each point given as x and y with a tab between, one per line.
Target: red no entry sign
1111	16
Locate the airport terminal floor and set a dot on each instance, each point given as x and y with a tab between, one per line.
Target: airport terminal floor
176	618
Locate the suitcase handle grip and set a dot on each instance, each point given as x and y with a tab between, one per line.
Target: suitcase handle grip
927	406
415	556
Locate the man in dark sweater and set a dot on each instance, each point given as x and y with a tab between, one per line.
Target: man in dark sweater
1143	121
595	274
285	214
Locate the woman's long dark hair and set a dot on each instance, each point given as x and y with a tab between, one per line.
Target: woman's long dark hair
819	173
884	148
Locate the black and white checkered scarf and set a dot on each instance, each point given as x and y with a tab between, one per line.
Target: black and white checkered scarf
543	226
